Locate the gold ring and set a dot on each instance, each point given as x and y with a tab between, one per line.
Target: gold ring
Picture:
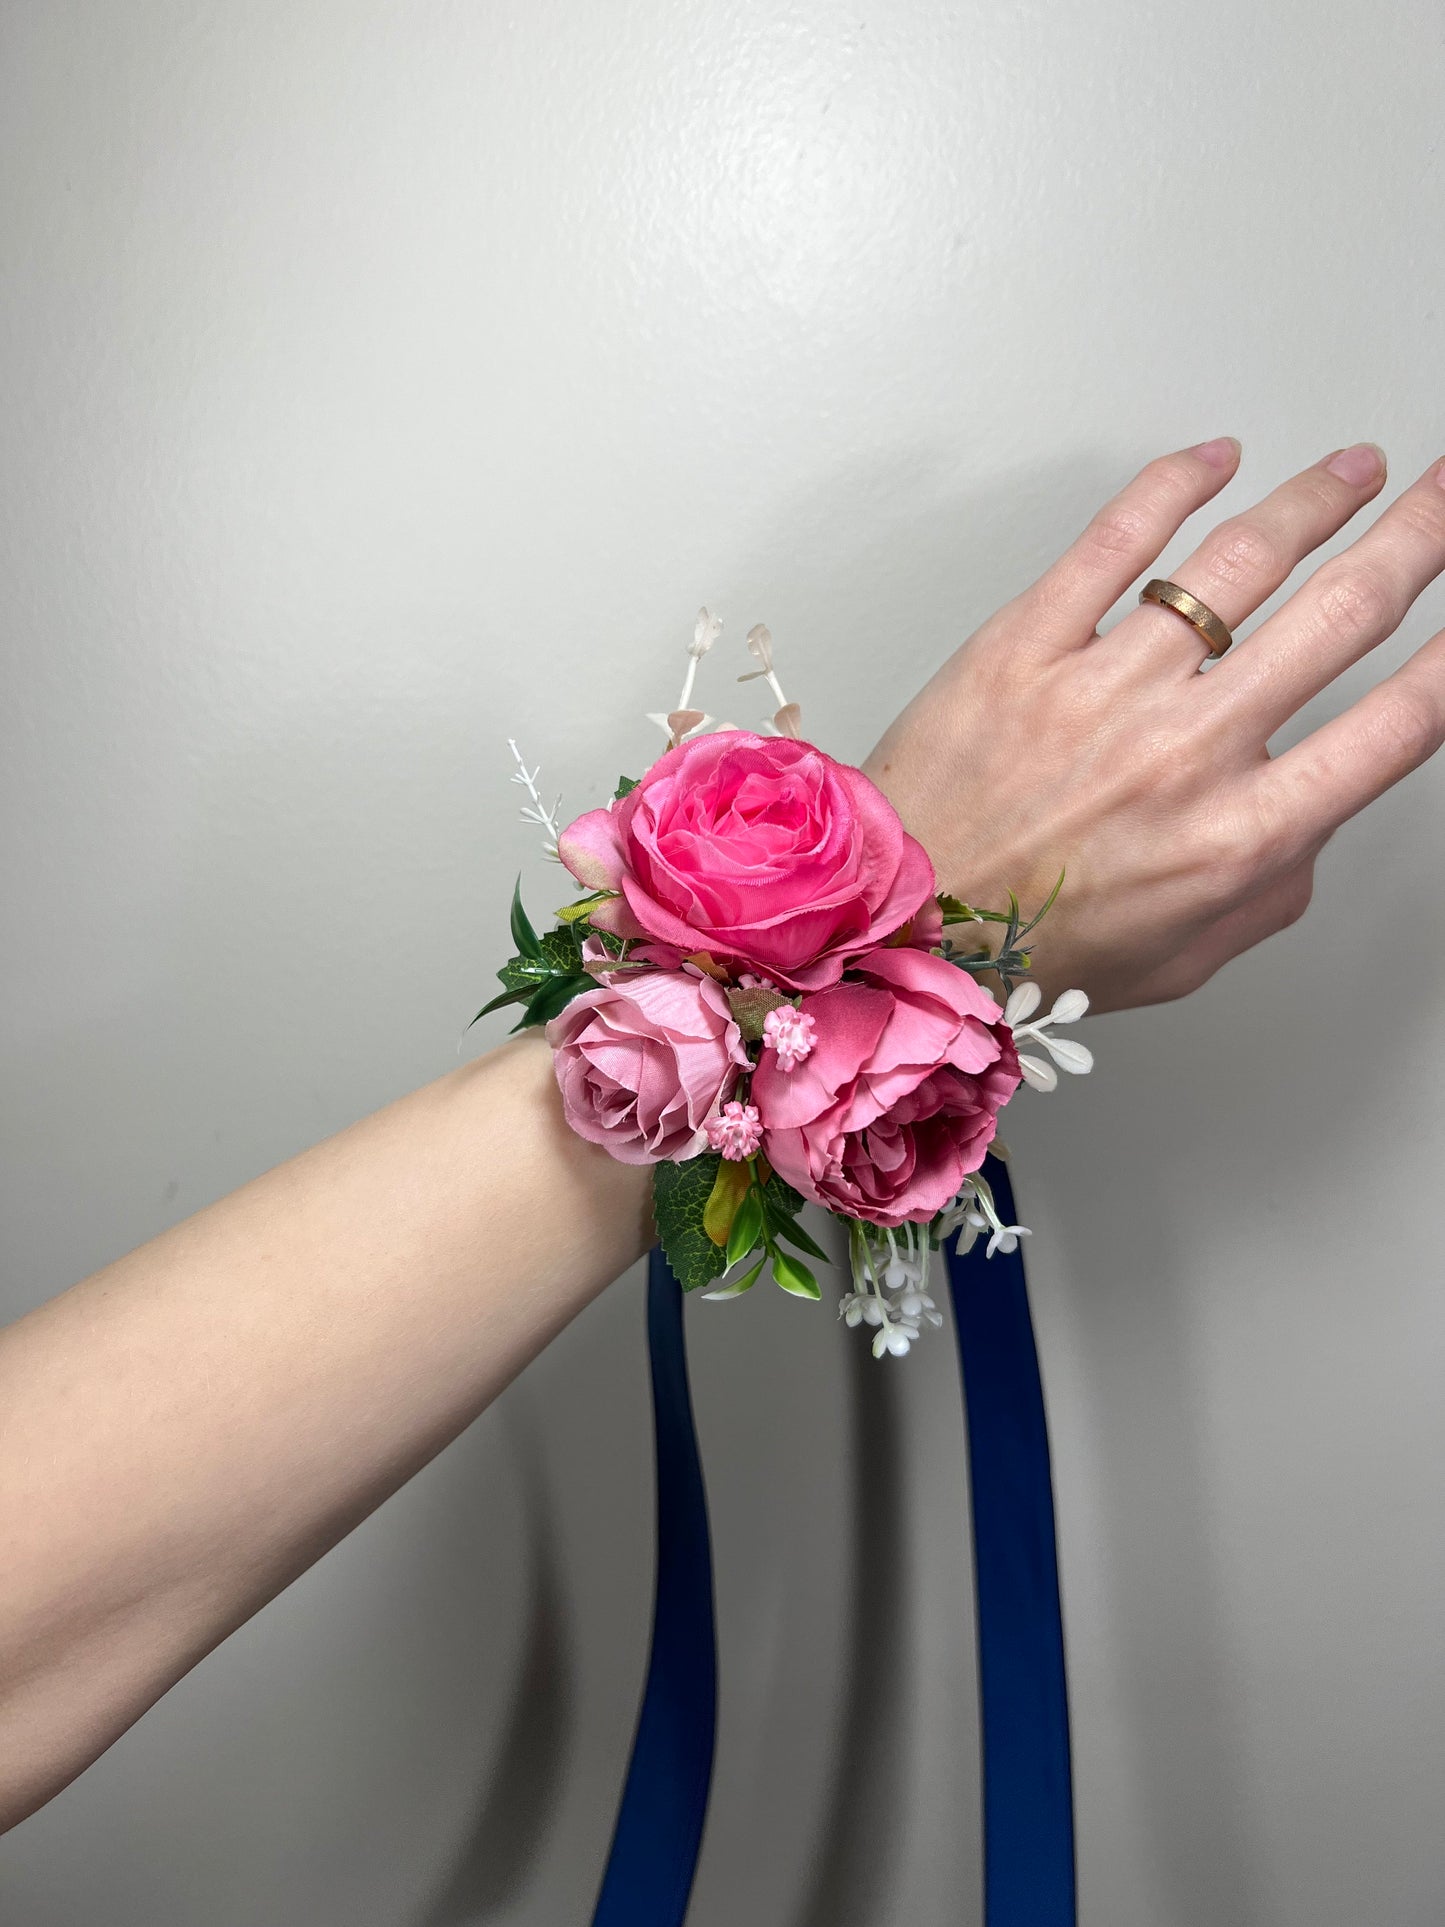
1169	595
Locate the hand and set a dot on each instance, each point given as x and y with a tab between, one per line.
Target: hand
1041	745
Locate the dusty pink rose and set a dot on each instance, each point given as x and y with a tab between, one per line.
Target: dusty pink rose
761	851
898	1099
644	1062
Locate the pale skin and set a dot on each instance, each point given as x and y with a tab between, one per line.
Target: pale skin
189	1429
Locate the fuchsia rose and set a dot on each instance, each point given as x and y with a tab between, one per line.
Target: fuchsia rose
644	1063
898	1099
759	850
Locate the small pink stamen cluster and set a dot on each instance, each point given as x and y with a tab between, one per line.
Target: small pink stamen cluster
737	1133
791	1033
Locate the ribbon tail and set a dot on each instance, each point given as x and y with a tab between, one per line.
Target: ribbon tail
1028	1812
658	1834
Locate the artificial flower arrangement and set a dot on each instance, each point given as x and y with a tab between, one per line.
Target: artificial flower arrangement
763	995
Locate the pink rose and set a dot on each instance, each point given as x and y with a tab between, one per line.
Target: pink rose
643	1063
899	1097
761	851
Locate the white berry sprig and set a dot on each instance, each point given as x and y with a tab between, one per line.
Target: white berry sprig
1070	1056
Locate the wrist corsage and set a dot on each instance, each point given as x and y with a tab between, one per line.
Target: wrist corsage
761	992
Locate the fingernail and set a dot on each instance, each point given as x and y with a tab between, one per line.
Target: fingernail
1365	462
1222	452
1440	475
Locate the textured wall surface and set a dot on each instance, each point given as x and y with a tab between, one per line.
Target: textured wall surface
382	380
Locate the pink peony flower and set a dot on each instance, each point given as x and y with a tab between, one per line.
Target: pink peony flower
645	1062
759	850
898	1100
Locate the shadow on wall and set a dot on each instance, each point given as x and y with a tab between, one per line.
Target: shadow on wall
854	1870
1263	1077
517	1808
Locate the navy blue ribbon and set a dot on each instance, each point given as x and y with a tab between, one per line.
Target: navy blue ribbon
1027	1790
664	1801
1028	1808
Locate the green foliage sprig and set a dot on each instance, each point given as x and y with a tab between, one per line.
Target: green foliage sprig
713	1213
547	971
1013	958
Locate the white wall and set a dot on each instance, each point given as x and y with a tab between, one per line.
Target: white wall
381	380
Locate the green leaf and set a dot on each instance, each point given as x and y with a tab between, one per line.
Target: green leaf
781	1202
747	1226
523	973
498	1003
625	785
553	997
1049	903
794	1276
523	935
783	1194
579	911
562	952
956	911
730	1186
679	1197
796	1235
740	1285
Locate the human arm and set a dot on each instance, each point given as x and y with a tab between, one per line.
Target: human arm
188	1430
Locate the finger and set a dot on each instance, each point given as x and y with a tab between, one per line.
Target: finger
1329	777
1240	564
1350	604
1075	593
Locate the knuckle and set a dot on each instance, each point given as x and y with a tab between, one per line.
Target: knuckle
1317	494
1357	599
1121	529
1410	724
1164	472
1244	554
1240	847
1422	513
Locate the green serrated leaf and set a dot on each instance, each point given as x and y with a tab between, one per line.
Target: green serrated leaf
625	786
562	952
679	1197
523	973
795	1234
523	935
794	1276
740	1285
787	1197
747	1226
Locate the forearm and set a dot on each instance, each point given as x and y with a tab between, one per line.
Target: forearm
190	1428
